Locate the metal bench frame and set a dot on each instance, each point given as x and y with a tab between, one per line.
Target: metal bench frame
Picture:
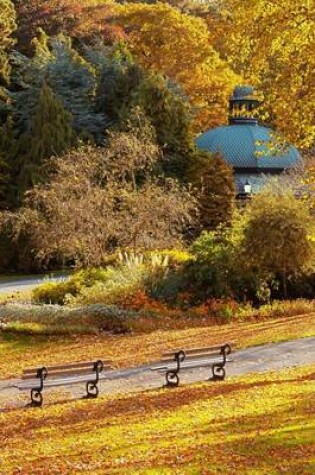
92	390
217	367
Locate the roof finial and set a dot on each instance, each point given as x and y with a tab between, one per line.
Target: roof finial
242	104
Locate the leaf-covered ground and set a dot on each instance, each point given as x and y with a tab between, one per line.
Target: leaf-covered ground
254	425
19	351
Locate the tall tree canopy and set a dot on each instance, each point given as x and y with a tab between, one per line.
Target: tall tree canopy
271	43
177	45
84	20
7	27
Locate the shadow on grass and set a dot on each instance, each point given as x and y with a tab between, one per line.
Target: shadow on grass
150	402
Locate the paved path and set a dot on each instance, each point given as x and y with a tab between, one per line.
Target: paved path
15	284
258	359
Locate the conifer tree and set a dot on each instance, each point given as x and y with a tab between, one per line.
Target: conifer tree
7	149
214	182
168	112
50	134
73	80
7	27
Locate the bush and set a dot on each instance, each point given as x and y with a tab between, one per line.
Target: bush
60	292
58	320
278	236
159	274
212	271
55	292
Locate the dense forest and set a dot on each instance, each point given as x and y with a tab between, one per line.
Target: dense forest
100	103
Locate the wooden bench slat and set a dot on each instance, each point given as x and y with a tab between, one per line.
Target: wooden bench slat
189	351
25	385
83	364
172	364
56	382
65	372
187	364
189	356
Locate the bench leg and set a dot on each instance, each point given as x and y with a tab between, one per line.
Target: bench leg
36	398
92	390
172	379
218	372
36	393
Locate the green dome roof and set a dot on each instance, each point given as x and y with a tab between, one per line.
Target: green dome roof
245	146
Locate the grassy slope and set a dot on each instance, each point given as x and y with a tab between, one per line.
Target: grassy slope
254	425
18	351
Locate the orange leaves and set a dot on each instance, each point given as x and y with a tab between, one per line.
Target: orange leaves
81	20
271	44
178	46
254	424
164	39
137	349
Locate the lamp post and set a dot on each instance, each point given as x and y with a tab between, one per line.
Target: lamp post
245	194
247	188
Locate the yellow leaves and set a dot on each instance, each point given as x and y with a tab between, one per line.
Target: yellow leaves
178	45
137	349
257	422
272	44
163	38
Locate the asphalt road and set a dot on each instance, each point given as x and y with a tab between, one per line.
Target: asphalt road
19	283
257	359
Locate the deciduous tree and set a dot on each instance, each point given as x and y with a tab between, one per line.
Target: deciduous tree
7	27
271	43
178	45
86	20
94	203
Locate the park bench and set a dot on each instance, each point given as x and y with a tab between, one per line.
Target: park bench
37	379
174	361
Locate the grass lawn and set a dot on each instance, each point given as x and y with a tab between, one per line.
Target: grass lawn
18	351
254	425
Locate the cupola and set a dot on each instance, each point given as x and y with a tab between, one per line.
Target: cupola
245	144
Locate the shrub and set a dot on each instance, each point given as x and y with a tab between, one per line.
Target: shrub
120	282
60	292
97	200
156	274
59	320
55	292
213	262
278	235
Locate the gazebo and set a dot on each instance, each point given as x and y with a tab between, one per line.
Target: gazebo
249	148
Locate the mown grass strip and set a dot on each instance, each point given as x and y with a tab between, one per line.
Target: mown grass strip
18	351
250	425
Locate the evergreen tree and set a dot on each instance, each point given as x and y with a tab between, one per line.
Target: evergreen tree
168	112
28	76
120	76
50	133
7	27
73	80
7	149
170	115
214	183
